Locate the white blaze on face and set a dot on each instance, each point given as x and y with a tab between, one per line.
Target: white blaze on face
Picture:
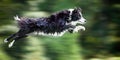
71	10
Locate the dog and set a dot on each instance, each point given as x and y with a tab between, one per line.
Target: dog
57	24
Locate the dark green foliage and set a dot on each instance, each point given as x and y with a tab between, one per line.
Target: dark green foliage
100	37
8	9
56	5
47	5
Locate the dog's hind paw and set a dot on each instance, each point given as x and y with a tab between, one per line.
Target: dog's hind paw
5	41
11	44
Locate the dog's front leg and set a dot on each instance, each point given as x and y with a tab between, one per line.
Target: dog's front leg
70	28
78	28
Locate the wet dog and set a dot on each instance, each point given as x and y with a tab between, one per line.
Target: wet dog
56	25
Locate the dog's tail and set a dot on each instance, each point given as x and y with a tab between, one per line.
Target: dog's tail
21	21
24	22
17	18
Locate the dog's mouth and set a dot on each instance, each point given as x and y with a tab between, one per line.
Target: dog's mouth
78	24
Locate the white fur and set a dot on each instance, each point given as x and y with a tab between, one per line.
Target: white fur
77	28
62	33
50	34
82	20
16	18
11	44
70	13
5	41
74	22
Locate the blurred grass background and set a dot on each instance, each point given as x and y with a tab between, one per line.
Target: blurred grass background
100	41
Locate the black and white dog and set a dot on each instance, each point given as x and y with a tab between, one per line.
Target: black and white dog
56	25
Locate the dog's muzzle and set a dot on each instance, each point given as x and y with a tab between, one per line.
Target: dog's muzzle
82	21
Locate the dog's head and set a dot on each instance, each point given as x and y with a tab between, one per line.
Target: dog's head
72	16
75	16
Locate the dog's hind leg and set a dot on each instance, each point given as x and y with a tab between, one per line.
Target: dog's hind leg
13	36
70	28
16	38
20	34
9	38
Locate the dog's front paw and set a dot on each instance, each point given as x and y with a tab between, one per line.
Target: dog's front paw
78	28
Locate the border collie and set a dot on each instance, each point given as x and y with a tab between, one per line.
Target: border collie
57	24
